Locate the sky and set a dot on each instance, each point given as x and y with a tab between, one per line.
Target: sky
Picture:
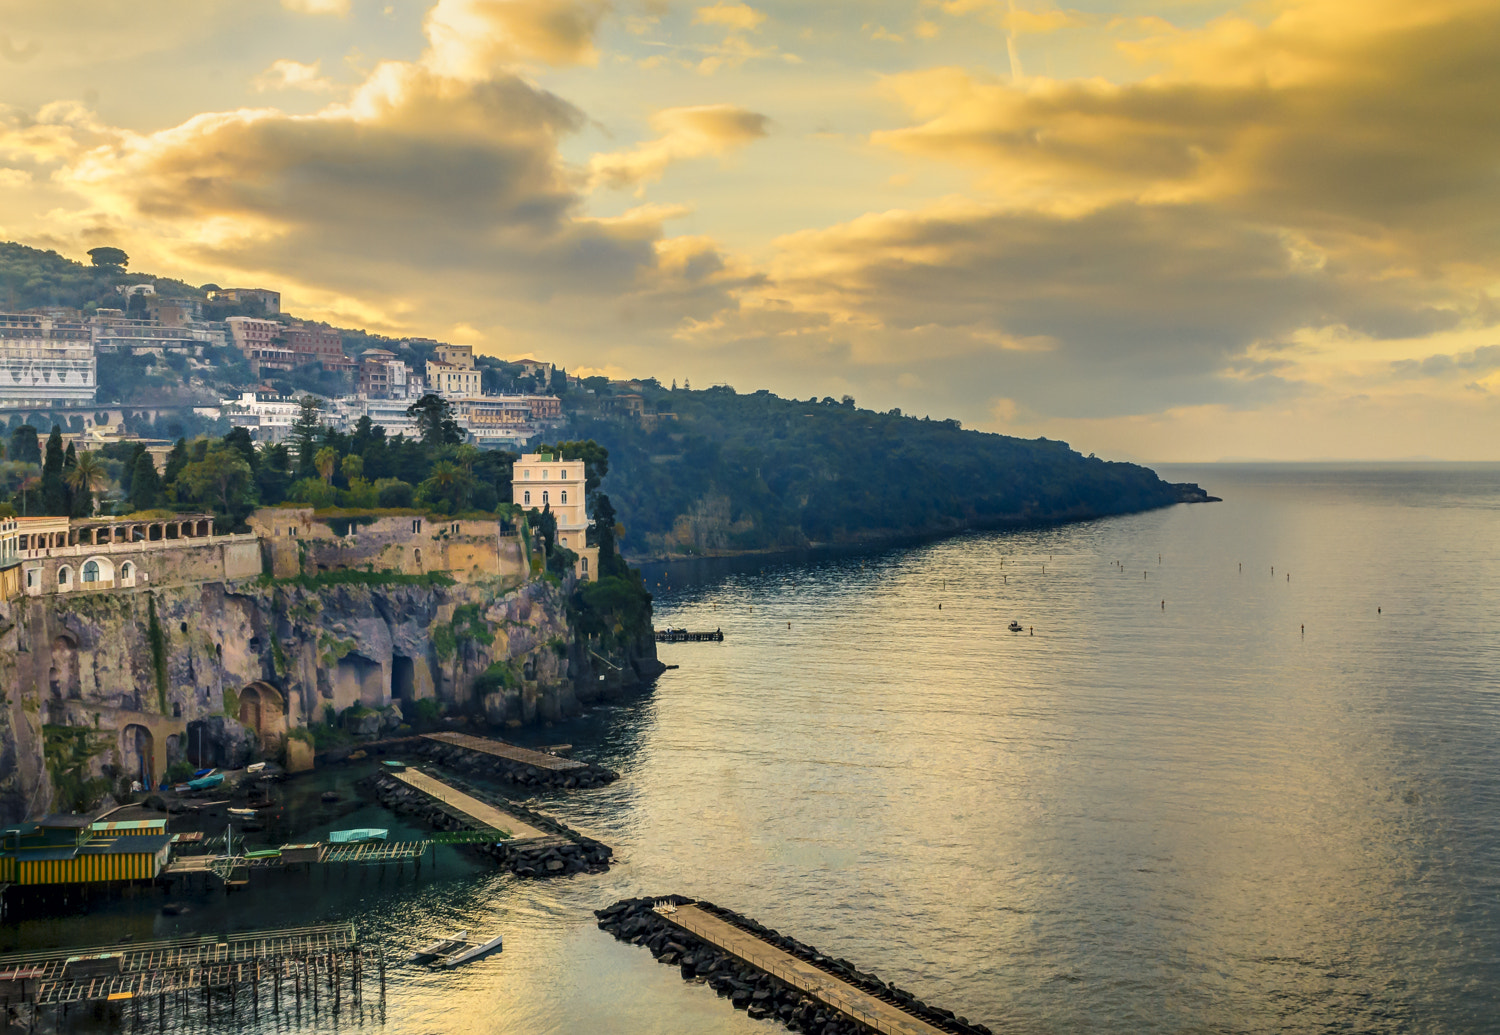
1175	231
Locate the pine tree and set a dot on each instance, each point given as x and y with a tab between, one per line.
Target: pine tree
145	483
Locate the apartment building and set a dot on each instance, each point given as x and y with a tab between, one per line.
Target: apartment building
46	361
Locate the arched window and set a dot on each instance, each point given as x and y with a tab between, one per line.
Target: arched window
544	496
91	571
527	496
127	572
65	576
583	565
565	495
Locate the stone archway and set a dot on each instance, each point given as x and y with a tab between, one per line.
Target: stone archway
263	711
138	753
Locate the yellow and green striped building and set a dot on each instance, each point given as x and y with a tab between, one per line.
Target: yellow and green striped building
72	850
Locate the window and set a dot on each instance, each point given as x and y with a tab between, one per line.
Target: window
583	565
126	572
30	578
64	575
416	526
526	496
565	495
91	571
528	474
563	473
545	472
544	496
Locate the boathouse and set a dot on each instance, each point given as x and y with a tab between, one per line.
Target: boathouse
74	850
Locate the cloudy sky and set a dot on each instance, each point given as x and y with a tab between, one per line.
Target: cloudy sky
1177	230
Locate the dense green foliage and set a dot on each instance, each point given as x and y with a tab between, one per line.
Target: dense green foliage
755	472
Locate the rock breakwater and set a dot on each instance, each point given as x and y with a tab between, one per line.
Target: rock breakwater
561	852
751	989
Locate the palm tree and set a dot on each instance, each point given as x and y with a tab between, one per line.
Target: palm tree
325	460
88	476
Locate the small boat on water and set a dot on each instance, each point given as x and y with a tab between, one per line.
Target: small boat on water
393	765
203	783
255	767
1015	626
240	812
358	836
470	955
330	796
441	947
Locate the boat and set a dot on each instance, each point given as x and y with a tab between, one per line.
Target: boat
473	954
203	783
441	947
264	853
1015	626
255	767
393	765
330	796
240	812
357	836
203	772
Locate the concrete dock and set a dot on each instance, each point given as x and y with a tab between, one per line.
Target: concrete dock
853	1002
510	752
478	812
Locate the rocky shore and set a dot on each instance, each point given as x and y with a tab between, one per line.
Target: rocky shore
452	756
560	854
634	920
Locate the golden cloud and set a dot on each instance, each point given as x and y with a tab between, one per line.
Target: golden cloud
693	132
286	74
733	15
337	7
471	39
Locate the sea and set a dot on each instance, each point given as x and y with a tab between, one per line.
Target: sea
1238	772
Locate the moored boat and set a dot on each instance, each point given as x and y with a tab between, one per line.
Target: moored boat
439	948
469	955
358	835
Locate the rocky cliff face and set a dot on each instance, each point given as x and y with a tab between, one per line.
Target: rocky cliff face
104	688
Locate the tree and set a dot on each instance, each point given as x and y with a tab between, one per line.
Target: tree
546	527
111	259
87	477
447	487
273	476
25	446
54	489
435	423
326	461
221	480
305	434
145	483
594	456
353	468
240	439
177	459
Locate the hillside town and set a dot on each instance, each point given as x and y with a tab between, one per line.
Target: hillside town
53	359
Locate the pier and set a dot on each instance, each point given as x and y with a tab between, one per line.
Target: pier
684	636
772	976
299	963
471	810
881	1015
509	752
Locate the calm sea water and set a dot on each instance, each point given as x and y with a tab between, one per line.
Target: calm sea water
1202	797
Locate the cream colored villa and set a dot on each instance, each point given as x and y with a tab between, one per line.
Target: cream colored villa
541	480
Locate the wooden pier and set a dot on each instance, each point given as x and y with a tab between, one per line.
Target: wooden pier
832	991
510	752
472	810
684	636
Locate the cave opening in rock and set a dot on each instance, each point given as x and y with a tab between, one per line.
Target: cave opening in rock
403	679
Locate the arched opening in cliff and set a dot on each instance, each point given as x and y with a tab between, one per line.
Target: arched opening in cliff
263	712
359	680
403	679
62	677
137	750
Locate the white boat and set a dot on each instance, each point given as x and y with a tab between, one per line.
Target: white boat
255	767
439	948
474	953
240	812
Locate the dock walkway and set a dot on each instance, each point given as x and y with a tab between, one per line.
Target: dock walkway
510	752
480	813
801	975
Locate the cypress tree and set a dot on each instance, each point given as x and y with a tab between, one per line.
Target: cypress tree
145	483
54	492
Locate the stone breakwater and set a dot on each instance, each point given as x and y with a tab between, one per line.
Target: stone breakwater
634	920
476	763
562	852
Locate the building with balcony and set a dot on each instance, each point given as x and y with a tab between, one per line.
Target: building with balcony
46	361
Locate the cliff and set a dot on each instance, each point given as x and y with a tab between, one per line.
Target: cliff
104	688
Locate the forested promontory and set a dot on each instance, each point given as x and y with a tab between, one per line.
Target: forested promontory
715	471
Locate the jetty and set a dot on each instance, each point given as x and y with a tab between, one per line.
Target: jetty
486	756
312	967
534	845
774	976
685	636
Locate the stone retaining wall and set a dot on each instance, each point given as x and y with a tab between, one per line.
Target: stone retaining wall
747	988
563	852
452	756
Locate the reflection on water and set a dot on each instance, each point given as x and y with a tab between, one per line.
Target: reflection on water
1171	809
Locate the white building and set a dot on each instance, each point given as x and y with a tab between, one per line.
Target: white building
541	480
267	417
46	361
